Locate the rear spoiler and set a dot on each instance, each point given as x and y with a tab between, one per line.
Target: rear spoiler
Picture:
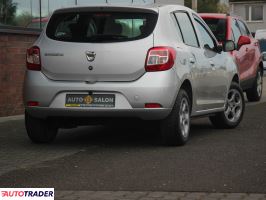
107	9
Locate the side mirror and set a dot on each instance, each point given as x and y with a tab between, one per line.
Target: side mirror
229	45
243	40
264	56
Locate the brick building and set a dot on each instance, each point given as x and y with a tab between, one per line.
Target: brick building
13	45
253	12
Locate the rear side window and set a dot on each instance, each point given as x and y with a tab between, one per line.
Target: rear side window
187	30
218	27
205	36
95	27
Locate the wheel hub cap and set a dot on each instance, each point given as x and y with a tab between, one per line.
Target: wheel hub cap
259	84
184	117
234	106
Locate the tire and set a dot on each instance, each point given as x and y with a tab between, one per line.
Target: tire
234	109
40	130
176	127
255	93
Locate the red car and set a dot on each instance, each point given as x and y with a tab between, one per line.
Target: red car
247	54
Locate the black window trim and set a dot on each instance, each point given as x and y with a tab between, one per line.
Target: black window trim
197	38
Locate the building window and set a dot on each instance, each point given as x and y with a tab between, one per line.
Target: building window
254	13
35	13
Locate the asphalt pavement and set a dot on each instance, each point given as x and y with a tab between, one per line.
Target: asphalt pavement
129	157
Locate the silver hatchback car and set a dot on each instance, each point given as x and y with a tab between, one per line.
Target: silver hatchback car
154	62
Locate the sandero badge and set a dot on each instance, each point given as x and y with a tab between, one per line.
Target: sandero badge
90	55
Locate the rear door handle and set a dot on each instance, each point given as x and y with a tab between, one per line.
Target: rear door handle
192	60
212	65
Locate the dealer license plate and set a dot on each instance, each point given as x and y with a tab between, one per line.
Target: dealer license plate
95	100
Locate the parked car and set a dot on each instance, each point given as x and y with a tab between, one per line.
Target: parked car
97	63
261	37
247	53
37	23
264	59
260	34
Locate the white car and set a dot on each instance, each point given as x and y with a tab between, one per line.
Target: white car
260	34
261	37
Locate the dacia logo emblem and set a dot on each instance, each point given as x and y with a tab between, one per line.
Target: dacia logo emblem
90	55
88	99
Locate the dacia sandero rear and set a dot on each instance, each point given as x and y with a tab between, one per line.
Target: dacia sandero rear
151	63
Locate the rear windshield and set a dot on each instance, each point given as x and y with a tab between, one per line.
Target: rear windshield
97	27
218	27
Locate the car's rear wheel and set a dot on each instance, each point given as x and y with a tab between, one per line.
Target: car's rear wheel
176	127
255	93
234	109
40	130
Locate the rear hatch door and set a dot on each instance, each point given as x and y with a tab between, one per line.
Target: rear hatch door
98	44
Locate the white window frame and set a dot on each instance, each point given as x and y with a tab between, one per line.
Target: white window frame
250	13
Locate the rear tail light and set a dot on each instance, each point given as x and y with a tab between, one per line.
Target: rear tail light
34	58
160	59
33	103
153	105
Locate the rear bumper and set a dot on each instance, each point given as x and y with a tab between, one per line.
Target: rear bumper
145	114
158	87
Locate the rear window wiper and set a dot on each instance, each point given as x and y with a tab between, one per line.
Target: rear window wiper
106	37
